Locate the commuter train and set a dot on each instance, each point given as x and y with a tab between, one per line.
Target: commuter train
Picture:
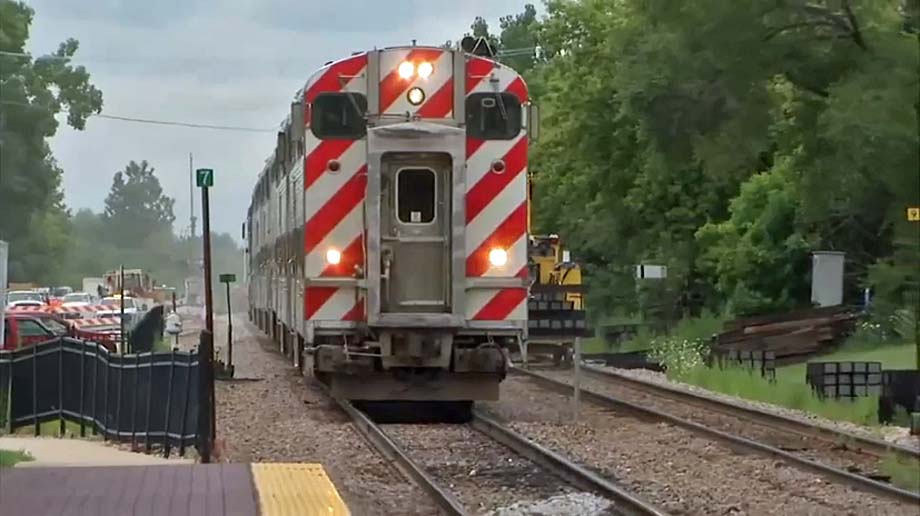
387	237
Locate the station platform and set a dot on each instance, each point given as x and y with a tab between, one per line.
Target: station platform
263	489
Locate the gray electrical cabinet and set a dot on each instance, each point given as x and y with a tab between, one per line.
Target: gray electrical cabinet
827	278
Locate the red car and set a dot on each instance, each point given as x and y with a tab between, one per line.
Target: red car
26	329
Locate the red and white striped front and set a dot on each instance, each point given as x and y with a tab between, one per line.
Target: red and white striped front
438	86
496	203
333	201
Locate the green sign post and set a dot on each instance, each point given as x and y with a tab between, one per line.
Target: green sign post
204	177
227	278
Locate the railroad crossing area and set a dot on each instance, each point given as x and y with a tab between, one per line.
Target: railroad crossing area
263	489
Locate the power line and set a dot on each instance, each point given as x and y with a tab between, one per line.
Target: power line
121	118
183	124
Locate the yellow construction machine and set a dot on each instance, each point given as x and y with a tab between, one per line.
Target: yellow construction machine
556	306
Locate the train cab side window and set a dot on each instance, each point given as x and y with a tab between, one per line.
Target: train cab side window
493	116
334	116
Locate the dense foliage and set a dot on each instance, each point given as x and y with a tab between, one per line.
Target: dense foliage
32	92
727	140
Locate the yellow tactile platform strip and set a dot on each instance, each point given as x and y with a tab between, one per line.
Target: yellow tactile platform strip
296	490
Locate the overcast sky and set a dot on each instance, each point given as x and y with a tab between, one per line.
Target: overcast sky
230	62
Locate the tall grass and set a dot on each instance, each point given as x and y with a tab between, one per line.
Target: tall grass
750	385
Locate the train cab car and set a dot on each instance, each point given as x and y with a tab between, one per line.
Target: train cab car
387	236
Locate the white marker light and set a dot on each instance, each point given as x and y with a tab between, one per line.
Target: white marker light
425	70
498	257
416	96
333	256
406	69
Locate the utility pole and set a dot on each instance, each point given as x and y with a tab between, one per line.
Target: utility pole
121	303
191	198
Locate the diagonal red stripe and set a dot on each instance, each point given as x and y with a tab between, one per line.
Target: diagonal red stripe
439	104
356	313
477	69
315	298
352	255
507	233
335	209
518	89
501	305
319	158
392	86
491	184
473	145
329	81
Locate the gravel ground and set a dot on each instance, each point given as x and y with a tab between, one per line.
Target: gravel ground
485	476
893	434
673	468
819	450
278	419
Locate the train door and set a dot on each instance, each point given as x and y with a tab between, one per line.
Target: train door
415	232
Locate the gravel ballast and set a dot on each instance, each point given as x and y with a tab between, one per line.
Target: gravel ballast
277	418
892	434
485	476
674	468
824	451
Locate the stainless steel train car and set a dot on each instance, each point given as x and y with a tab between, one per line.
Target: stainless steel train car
387	235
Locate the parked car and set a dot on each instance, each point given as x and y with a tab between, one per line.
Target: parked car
23	329
77	299
24	298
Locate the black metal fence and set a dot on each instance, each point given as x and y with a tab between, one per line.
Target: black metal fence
844	380
763	362
148	399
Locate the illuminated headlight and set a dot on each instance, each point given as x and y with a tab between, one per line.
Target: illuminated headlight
498	257
425	70
416	96
406	69
333	256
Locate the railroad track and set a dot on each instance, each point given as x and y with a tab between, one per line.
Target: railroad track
442	460
820	451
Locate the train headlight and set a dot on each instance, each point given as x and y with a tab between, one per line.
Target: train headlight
416	96
333	256
425	70
406	69
498	257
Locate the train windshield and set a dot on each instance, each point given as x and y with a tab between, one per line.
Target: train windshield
339	115
493	116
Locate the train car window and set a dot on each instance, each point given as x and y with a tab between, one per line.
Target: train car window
493	116
334	116
416	194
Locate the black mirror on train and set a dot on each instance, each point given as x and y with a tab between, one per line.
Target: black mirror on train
244	231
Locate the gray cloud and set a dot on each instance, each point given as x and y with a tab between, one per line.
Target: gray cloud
235	62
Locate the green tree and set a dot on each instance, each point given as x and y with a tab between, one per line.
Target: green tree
136	206
659	114
32	93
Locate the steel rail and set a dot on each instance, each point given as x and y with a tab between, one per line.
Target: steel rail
389	449
576	475
839	475
867	445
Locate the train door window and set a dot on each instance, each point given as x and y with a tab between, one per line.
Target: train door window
493	116
416	195
339	115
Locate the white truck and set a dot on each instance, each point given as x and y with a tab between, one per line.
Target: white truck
91	286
